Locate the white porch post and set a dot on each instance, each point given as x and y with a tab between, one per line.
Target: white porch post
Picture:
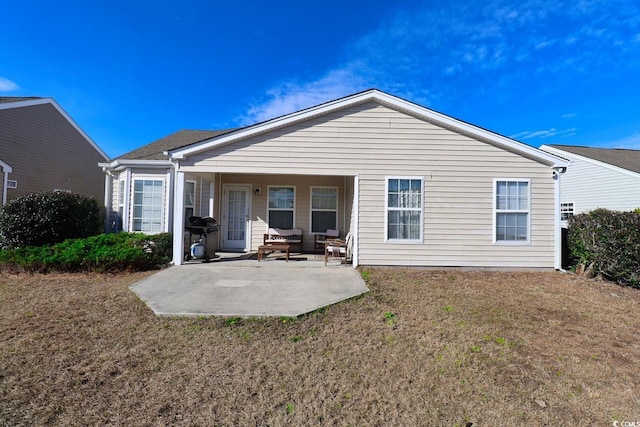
178	215
355	226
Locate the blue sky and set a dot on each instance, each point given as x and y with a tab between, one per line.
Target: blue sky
130	72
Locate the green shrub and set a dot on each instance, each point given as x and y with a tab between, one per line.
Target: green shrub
607	243
46	218
105	253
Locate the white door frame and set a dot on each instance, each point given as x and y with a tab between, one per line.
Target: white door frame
225	209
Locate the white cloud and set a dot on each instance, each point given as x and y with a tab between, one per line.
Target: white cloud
545	133
631	142
424	53
7	85
289	96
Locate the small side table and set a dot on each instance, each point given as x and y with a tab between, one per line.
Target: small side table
273	247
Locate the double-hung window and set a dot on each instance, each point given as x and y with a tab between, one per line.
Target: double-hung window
148	205
189	199
324	209
512	210
281	207
404	209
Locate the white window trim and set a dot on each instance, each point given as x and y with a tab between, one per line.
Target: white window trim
311	210
495	212
163	221
562	211
295	191
386	211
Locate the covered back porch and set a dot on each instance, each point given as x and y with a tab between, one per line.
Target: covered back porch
245	206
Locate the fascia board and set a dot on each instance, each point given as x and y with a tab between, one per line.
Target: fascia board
64	114
27	103
118	163
605	165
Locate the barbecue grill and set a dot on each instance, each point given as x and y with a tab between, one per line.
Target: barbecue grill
200	228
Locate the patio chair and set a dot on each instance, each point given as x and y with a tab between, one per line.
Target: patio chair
337	248
320	239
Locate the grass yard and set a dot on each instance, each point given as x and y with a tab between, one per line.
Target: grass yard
428	348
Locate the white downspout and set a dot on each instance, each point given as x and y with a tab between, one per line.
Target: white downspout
557	173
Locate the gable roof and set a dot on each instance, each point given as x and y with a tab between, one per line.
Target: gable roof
382	98
157	149
622	158
9	102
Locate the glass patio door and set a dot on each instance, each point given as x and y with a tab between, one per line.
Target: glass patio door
235	219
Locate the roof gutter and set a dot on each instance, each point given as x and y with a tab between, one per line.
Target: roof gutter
142	163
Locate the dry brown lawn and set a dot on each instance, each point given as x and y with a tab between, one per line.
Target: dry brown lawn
428	348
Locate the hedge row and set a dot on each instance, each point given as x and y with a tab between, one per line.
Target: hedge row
104	253
607	243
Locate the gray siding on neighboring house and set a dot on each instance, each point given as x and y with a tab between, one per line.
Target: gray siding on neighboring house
47	152
374	142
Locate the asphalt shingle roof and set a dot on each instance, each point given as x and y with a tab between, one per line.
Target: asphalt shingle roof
622	158
156	149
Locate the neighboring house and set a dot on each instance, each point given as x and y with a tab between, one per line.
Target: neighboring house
598	178
43	149
413	187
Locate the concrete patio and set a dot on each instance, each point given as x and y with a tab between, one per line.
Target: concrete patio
239	285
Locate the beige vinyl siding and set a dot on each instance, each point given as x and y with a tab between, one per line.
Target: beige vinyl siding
115	191
374	142
47	153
